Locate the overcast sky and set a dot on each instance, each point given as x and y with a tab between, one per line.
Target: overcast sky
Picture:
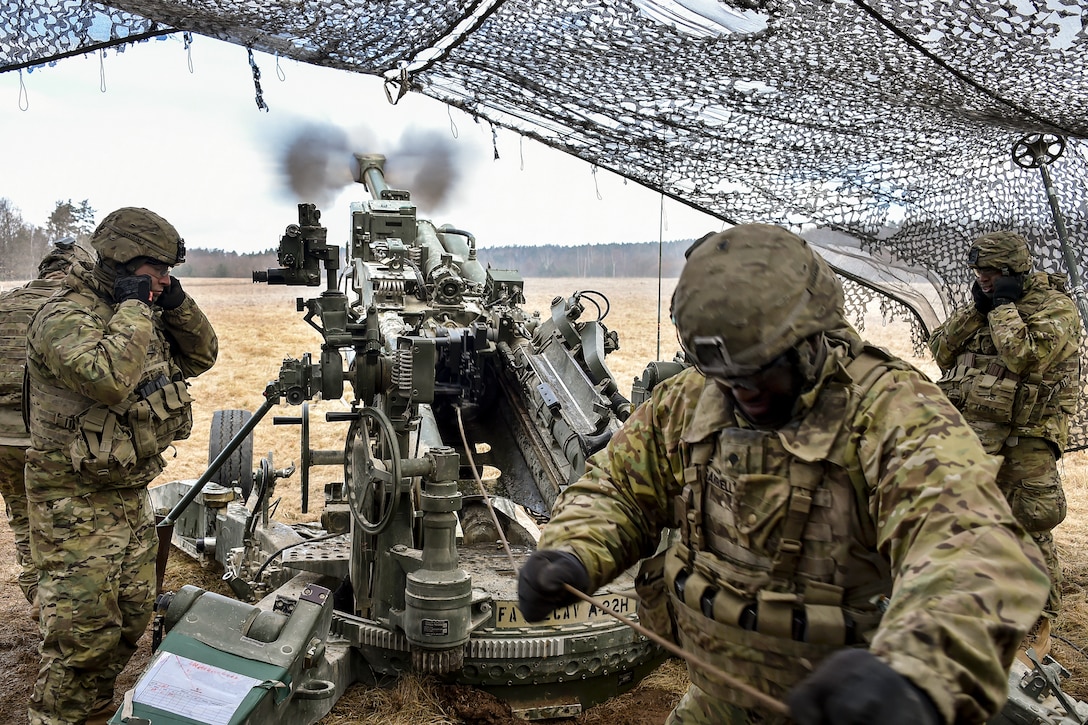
139	129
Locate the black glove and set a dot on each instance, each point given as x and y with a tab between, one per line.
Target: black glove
137	287
540	583
171	297
1008	289
855	687
983	302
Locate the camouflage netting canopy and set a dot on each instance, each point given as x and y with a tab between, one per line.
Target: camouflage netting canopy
905	126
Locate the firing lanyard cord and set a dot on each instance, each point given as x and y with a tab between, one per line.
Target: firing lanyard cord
769	703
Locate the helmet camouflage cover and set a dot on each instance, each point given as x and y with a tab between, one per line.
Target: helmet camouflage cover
749	294
132	232
63	254
1000	250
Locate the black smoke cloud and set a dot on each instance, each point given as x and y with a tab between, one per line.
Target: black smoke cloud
318	162
426	164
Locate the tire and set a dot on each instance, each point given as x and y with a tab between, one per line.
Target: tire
237	470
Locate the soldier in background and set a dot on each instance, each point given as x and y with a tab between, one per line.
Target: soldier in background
108	359
1011	364
17	306
838	538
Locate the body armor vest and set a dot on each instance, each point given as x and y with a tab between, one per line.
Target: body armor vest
17	306
775	554
106	443
997	402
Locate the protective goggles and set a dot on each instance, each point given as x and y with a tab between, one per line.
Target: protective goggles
161	268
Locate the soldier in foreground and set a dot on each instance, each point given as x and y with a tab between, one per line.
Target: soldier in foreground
1011	364
17	306
838	536
108	360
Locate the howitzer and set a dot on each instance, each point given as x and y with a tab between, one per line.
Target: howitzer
450	383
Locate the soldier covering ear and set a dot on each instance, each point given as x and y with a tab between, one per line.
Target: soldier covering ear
108	394
1011	363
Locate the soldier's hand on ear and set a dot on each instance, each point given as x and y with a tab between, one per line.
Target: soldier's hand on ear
541	580
855	687
135	287
171	297
1007	289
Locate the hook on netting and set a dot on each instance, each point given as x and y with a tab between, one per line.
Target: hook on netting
24	98
453	124
401	82
596	186
187	39
102	70
257	81
279	71
494	143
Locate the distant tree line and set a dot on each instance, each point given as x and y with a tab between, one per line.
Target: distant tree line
221	263
551	260
23	244
597	260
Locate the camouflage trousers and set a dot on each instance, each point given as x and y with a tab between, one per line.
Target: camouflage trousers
697	707
13	489
1031	484
96	557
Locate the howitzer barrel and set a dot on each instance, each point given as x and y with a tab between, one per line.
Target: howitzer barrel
372	176
436	241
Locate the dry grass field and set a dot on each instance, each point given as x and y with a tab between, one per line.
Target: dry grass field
258	327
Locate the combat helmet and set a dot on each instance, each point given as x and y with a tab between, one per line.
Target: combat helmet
1005	251
62	254
131	232
749	294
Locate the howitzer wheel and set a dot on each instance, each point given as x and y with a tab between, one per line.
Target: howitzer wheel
372	495
237	470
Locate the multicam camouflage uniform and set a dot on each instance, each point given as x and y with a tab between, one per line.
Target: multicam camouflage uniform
870	519
17	306
1015	374
107	397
